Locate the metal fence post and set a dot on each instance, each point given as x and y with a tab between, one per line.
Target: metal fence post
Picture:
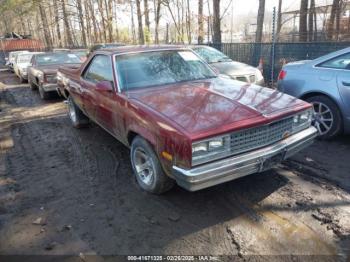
273	46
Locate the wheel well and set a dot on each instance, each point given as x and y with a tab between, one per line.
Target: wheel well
131	136
309	95
312	94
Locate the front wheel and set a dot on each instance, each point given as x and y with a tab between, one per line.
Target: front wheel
147	168
76	116
43	94
32	85
327	117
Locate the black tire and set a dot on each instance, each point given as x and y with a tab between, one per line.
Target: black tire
335	126
43	94
160	182
79	119
21	79
32	86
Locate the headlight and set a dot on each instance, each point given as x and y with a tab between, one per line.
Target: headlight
204	151
259	76
302	120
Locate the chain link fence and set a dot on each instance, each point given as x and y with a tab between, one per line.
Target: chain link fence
251	53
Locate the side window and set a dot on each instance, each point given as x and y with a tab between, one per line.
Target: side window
100	69
340	62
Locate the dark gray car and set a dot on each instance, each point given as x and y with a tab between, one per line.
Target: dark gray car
324	82
226	66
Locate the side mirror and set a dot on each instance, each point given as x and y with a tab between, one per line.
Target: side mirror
104	86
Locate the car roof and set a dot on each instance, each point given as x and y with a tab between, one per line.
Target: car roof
140	48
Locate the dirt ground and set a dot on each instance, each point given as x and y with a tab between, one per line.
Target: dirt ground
68	191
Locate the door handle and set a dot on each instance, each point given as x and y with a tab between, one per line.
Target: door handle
346	83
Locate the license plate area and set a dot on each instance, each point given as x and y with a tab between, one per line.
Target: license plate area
272	161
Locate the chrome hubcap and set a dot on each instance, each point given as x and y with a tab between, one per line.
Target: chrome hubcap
323	117
72	113
143	165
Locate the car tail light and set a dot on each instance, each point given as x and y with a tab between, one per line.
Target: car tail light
282	74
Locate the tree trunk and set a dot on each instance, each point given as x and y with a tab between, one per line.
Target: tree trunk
139	19
337	19
108	8
303	21
103	20
57	22
147	22
157	7
45	26
81	22
335	7
216	22
132	22
260	22
88	22
311	20
189	33
279	18
67	30
94	22
200	22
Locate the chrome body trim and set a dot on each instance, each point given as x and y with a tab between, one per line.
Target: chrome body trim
255	161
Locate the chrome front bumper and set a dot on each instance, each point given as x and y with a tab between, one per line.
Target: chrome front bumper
227	169
49	87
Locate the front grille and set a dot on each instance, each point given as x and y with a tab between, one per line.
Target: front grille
257	137
241	78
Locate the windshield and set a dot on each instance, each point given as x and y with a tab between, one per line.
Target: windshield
211	55
25	58
159	68
80	54
57	58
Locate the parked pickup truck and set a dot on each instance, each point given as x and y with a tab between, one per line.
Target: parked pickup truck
43	68
182	122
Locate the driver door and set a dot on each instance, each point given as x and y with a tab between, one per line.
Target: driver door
99	104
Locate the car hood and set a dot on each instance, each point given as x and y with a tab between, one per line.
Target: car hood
234	68
52	69
218	103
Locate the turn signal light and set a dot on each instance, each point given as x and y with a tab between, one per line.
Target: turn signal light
282	74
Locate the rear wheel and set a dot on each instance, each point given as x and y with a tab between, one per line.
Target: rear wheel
147	168
327	117
76	116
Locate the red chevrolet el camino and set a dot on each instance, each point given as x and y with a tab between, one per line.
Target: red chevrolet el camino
182	122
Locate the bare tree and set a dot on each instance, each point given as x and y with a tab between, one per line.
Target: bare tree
260	22
45	26
147	22
132	22
216	22
157	8
81	21
200	22
279	18
139	19
312	12
57	22
335	8
303	21
67	30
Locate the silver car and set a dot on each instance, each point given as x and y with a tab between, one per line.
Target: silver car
226	66
324	82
